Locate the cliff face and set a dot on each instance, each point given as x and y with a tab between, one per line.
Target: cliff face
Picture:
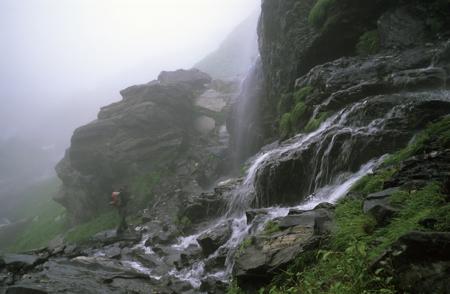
165	126
295	36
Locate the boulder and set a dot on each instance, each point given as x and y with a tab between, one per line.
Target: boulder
382	213
378	198
260	257
257	263
214	238
213	285
420	262
17	262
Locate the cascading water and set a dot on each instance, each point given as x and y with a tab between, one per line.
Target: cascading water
244	196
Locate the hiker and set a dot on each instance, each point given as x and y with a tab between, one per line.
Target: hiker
120	201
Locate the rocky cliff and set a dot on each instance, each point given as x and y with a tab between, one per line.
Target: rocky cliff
170	126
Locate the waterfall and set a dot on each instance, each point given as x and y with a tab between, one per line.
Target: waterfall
245	194
244	123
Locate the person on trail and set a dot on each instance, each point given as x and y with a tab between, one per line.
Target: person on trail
120	201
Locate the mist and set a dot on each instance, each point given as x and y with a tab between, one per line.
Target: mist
62	60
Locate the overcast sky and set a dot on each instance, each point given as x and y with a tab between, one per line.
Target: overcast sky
56	53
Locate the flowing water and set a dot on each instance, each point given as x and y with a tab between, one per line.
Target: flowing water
244	195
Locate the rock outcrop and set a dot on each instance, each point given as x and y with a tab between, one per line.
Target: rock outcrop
171	125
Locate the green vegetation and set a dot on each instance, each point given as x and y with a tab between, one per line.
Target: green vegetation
438	132
85	231
46	218
271	227
247	242
320	13
293	108
297	113
369	43
314	123
285	103
142	189
285	125
373	183
344	266
302	93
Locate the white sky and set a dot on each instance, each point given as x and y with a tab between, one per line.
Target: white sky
54	51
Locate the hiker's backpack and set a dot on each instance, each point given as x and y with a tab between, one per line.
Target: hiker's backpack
115	197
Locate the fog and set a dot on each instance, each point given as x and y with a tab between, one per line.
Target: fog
62	59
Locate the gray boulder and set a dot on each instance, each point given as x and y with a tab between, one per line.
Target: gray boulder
17	262
213	239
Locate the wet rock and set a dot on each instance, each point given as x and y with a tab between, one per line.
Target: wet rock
257	263
382	213
217	261
17	262
379	198
423	78
213	239
325	205
320	220
401	28
252	214
210	205
25	290
347	148
420	262
178	286
82	275
213	285
110	236
113	252
71	251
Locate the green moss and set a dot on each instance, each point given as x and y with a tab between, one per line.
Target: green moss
314	123
285	124
320	12
302	93
85	231
285	103
369	43
297	113
271	227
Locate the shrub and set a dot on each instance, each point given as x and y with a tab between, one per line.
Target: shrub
369	43
320	12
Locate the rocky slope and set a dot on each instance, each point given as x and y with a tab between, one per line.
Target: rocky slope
341	83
